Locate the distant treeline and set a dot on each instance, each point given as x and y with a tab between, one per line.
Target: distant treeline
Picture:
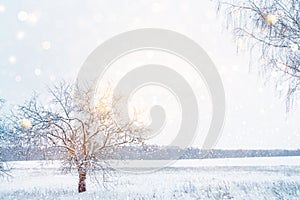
144	152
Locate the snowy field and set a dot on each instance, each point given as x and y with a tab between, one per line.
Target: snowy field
242	178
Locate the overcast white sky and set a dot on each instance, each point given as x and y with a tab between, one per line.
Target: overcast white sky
42	42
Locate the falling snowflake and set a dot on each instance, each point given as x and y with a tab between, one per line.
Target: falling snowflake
20	35
37	72
46	45
18	78
2	8
12	59
22	16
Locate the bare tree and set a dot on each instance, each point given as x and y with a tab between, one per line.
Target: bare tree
87	132
2	132
273	27
4	137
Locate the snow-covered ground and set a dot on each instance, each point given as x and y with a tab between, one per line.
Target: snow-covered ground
235	178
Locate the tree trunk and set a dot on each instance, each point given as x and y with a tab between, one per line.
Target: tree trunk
81	184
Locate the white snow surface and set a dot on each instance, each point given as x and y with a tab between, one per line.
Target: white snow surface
231	178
